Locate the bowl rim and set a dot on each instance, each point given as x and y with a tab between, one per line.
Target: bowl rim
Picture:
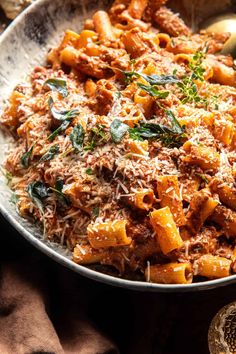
82	270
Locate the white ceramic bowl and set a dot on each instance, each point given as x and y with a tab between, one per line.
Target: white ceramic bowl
22	46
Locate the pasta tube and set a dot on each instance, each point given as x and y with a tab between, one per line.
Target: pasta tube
90	87
77	194
136	8
71	39
163	40
226	194
205	157
213	267
131	115
224	131
103	26
85	254
222	73
169	195
108	234
12	112
138	147
170	23
171	273
183	58
143	199
142	98
226	218
189	185
86	37
133	43
233	142
202	205
68	56
166	230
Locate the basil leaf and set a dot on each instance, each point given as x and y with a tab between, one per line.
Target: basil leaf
203	177
153	91
149	131
176	127
173	136
37	192
160	79
118	130
152	79
50	153
26	157
89	171
60	129
117	95
14	198
77	137
58	85
9	177
59	185
95	211
63	116
62	198
130	74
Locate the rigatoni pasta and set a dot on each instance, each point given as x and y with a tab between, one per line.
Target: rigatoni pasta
213	267
108	234
166	231
169	194
125	146
171	273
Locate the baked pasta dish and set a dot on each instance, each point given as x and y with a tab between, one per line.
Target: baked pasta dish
125	146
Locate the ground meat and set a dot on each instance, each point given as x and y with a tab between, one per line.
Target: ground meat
171	23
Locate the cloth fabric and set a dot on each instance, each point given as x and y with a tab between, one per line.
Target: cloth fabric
31	324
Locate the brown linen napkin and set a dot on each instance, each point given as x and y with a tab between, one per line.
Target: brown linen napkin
31	324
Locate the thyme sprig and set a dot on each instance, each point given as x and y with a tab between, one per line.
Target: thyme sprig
187	85
97	136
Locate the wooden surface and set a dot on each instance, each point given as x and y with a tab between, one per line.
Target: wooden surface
3	21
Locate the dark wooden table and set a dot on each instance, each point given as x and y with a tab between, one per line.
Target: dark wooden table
141	323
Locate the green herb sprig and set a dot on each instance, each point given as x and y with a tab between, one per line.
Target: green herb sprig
59	130
49	155
37	191
187	85
25	158
173	136
96	211
62	198
89	171
203	177
77	137
151	79
14	198
153	91
97	136
58	85
118	130
62	116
